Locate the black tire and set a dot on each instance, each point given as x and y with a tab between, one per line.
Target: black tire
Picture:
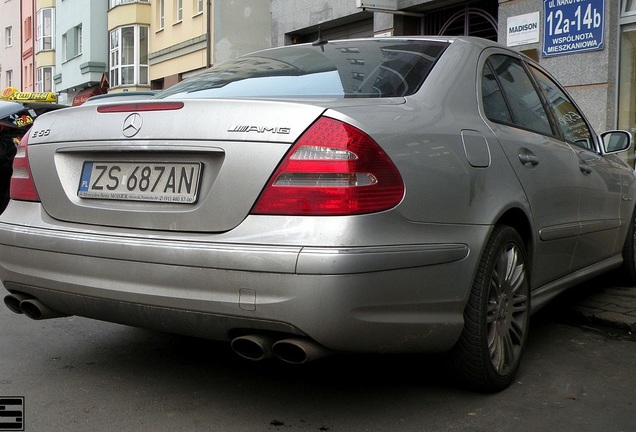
497	316
628	269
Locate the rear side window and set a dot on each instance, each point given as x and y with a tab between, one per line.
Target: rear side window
495	105
516	100
344	69
569	119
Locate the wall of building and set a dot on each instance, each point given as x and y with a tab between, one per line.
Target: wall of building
590	77
240	27
28	44
10	52
180	46
89	66
291	17
46	57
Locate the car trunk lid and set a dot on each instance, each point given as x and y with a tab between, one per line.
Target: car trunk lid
193	166
196	166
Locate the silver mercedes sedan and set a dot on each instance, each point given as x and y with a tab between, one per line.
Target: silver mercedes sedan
387	195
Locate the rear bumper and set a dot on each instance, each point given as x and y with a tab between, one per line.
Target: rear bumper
367	299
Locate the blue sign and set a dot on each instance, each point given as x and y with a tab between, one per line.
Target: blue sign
572	26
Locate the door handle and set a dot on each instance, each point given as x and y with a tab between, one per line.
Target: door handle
528	159
585	168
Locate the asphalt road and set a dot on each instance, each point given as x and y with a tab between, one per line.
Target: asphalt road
77	374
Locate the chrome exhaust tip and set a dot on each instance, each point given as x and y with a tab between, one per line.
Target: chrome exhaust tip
37	310
298	350
12	301
253	347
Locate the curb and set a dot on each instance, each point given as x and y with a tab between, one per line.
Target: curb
609	306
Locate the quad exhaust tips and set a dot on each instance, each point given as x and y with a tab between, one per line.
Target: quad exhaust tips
291	350
255	347
30	307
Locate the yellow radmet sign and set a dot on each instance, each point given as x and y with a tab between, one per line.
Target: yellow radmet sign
12	94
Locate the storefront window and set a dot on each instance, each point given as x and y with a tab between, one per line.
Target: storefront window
627	73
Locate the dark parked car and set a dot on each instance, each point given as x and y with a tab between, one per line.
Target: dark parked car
387	195
16	119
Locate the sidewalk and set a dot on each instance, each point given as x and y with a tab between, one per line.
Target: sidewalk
607	304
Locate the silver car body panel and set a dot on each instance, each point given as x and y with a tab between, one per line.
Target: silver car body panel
249	283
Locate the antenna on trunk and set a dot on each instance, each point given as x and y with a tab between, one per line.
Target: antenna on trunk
320	42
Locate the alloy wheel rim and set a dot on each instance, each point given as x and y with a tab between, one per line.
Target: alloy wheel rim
507	312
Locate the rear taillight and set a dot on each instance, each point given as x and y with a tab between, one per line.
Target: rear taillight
333	169
22	186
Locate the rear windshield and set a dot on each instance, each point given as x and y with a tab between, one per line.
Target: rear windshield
344	69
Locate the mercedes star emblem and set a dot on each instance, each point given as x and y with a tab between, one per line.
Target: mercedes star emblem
132	125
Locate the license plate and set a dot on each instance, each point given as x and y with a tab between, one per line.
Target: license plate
141	181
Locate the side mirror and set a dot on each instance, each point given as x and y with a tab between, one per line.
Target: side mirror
616	141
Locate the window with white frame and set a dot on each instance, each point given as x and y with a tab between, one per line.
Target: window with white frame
9	78
178	11
198	6
45	79
72	42
161	13
129	56
45	30
8	36
113	3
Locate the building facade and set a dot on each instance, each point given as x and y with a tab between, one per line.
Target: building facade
27	16
81	57
186	37
44	65
128	46
179	41
626	90
10	45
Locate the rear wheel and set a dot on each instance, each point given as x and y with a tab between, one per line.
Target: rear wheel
497	315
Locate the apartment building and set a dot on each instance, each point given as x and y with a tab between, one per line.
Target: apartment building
80	48
10	45
81	55
128	44
44	46
188	36
28	41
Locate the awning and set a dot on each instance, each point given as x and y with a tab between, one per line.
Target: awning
83	95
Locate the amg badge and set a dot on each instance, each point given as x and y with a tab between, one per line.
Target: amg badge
260	129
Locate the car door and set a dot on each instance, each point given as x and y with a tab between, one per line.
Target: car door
600	181
546	166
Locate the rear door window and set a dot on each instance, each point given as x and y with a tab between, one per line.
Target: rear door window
510	97
569	119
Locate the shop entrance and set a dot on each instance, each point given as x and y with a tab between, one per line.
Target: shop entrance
471	18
